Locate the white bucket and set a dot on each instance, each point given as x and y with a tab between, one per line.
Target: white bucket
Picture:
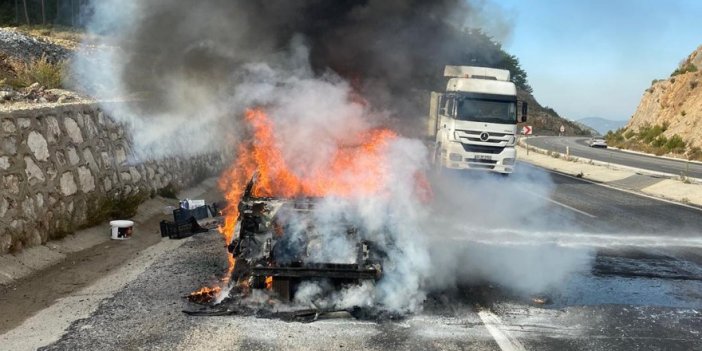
121	229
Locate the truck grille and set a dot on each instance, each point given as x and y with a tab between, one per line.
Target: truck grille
483	149
474	136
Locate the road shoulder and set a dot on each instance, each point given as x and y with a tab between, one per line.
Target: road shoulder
621	177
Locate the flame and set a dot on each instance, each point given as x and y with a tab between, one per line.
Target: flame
269	283
357	168
354	170
205	294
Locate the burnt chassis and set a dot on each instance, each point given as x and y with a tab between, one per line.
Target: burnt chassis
258	264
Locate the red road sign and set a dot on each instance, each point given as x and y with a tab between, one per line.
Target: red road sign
526	130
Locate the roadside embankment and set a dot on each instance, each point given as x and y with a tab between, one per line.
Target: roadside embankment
675	188
64	167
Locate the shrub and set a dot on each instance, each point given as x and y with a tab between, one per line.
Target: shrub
41	70
648	133
169	191
685	68
660	141
629	134
675	144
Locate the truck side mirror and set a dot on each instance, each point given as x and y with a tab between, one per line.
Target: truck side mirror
525	107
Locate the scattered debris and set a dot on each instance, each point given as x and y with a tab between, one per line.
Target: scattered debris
539	300
37	94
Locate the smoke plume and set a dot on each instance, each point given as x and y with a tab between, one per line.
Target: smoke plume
325	71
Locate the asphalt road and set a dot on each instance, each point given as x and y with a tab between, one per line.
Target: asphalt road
617	271
579	148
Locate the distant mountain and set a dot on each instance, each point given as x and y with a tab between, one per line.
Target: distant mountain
602	125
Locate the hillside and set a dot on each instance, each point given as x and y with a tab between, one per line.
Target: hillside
668	119
602	125
546	121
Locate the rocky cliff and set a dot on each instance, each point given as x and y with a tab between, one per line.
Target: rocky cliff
675	102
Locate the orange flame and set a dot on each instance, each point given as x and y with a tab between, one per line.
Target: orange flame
356	169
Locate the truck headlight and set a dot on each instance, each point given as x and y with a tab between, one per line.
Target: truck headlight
455	157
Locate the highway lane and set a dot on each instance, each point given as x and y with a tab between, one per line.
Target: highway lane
638	289
579	148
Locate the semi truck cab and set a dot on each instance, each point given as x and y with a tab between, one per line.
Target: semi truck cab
474	123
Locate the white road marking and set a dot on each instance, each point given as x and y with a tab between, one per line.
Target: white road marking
494	325
560	204
632	192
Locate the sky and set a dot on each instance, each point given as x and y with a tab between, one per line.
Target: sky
595	58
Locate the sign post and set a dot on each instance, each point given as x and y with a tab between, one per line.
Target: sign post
526	130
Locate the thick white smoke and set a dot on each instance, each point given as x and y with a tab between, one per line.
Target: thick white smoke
435	245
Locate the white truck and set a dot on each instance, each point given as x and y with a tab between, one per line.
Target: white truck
474	123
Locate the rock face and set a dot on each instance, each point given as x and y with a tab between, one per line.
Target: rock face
59	163
676	101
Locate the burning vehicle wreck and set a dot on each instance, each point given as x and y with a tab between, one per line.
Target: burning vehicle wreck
278	247
329	235
277	250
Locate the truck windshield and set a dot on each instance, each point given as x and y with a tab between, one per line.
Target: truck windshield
489	111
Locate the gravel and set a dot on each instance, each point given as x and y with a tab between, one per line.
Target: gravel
21	46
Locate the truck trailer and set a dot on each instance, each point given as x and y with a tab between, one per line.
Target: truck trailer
473	123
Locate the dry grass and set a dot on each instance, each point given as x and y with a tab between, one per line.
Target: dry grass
67	37
20	74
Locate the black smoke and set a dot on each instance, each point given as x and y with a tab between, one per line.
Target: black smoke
391	51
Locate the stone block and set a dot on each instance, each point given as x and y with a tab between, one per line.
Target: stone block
134	174
4	205
121	156
89	128
38	145
5	242
5	162
86	180
39	200
68	184
51	172
73	130
53	131
24	123
11	183
8	126
72	155
88	157
107	184
28	209
34	173
8	146
106	160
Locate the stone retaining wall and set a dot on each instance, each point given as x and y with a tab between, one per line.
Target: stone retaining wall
58	163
